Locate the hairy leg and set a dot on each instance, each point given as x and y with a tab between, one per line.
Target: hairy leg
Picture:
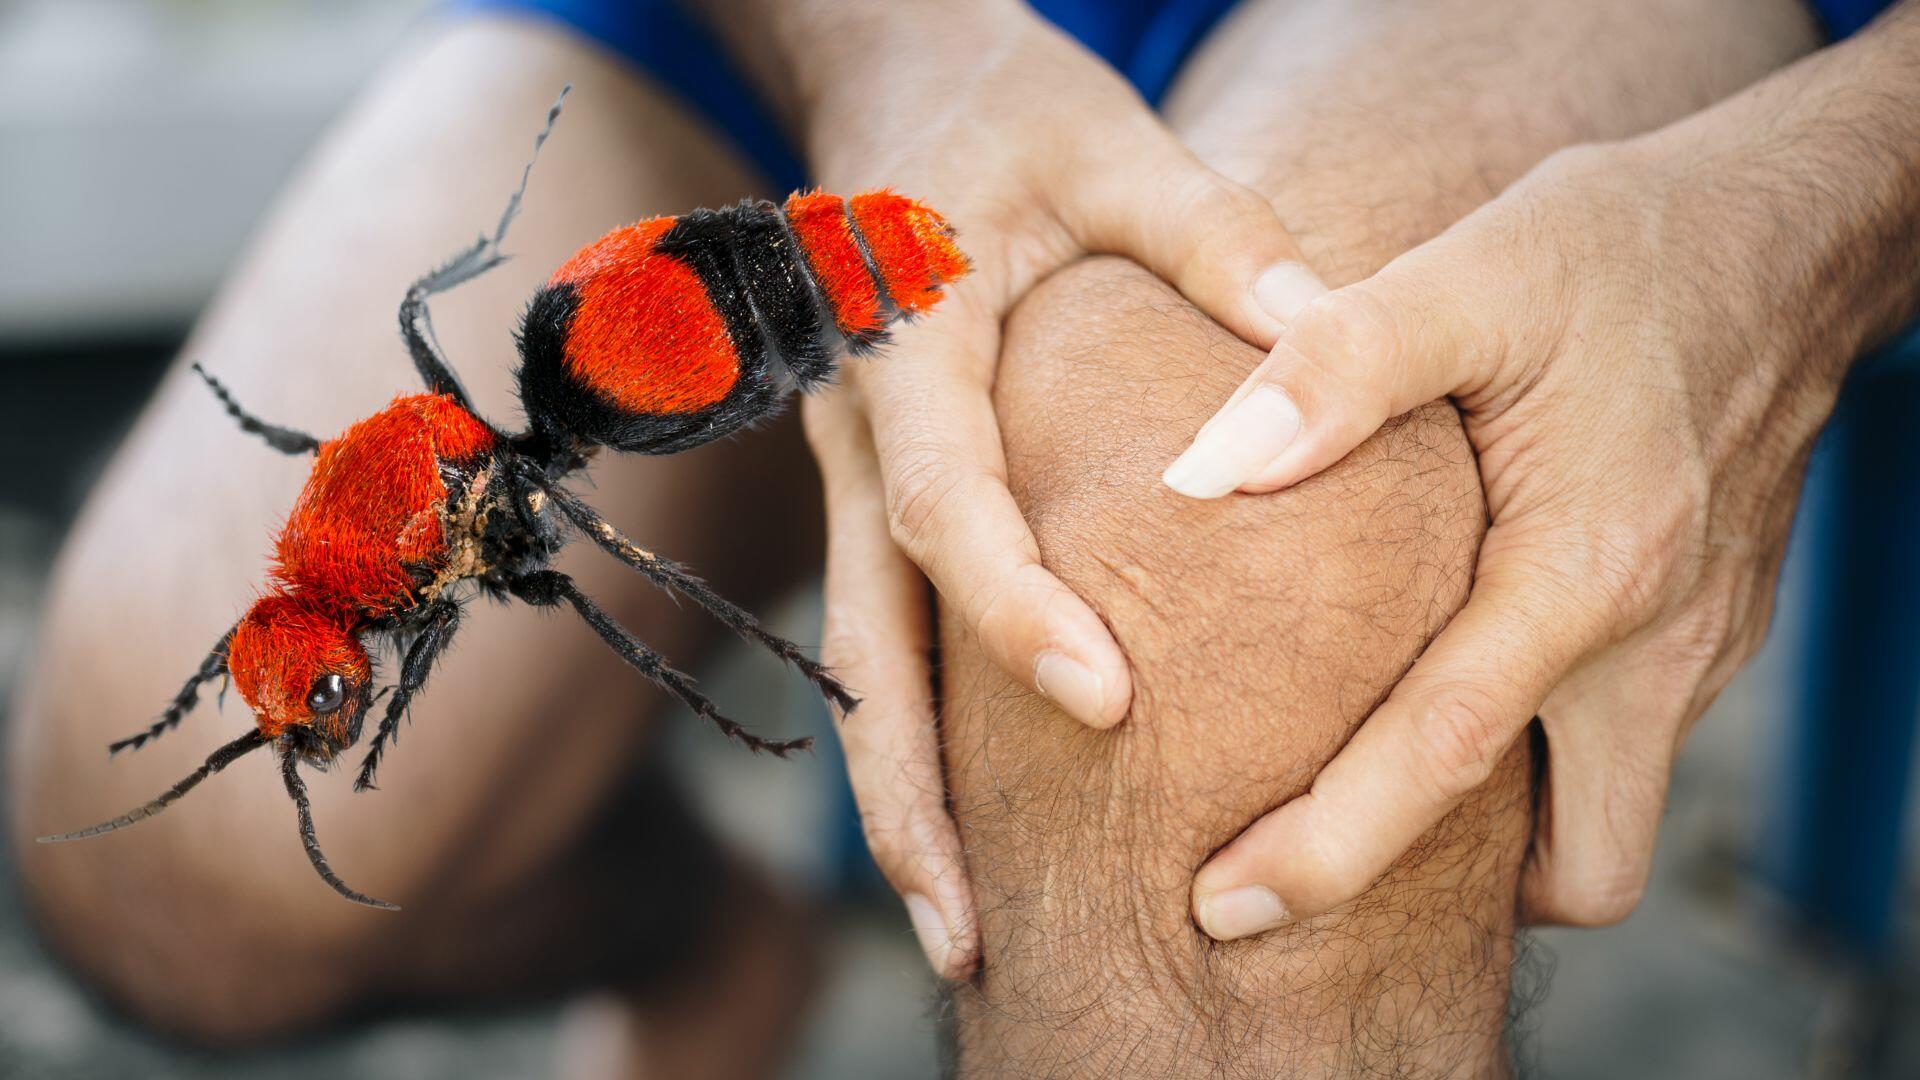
1262	630
207	920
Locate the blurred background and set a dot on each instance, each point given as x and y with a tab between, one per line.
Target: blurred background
141	139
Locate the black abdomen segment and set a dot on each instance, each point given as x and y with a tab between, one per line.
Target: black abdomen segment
777	319
761	285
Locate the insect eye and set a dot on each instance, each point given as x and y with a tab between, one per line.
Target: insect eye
329	693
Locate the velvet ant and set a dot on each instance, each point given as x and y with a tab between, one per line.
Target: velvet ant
657	337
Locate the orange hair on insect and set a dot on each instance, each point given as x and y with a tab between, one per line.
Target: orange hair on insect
912	246
371	507
644	333
819	223
280	647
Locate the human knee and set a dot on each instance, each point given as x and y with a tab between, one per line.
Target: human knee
1261	631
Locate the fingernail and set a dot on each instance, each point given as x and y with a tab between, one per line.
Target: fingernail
1246	436
1283	289
1071	684
1237	913
931	928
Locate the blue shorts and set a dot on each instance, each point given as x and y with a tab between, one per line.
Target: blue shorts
1145	40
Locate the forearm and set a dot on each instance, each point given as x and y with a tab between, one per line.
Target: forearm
1809	183
1261	631
825	66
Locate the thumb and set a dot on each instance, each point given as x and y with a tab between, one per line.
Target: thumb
1347	363
1439	735
1221	244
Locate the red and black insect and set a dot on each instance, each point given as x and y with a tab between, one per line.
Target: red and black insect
657	337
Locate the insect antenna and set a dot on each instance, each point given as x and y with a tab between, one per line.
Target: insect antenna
184	701
216	761
284	439
540	140
297	790
670	575
416	322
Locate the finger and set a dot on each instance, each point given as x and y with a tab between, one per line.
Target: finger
1593	844
878	636
1220	243
949	508
1347	363
1613	729
1437	737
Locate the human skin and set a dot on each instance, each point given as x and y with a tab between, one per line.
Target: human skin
496	826
915	472
1645	336
1037	152
204	948
1262	630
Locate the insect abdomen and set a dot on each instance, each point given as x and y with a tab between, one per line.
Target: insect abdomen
670	332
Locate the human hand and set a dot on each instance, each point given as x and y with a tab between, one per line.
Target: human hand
1642	357
1037	153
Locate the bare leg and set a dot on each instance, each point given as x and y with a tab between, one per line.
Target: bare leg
208	921
1262	630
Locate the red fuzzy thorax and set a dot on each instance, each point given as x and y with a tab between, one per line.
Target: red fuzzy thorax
369	519
367	528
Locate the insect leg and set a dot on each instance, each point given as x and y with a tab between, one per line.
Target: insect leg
184	701
297	791
548	588
443	618
216	761
670	575
284	439
416	323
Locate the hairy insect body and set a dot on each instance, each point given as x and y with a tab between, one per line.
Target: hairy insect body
659	336
371	524
378	530
674	331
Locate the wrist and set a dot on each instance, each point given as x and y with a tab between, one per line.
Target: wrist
1806	188
818	57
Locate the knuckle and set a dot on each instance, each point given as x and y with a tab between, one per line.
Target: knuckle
1610	574
1708	630
1213	219
1225	205
886	837
993	605
1459	739
1350	331
917	490
1635	560
842	641
1602	900
899	848
1324	874
1571	162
